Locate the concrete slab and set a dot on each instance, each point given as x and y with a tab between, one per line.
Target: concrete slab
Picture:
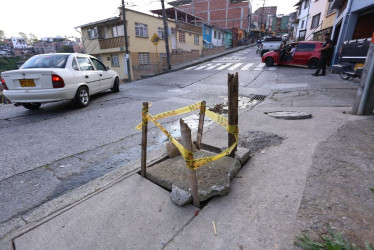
134	214
212	179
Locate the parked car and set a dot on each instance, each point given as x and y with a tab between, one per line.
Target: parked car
270	44
352	58
56	77
306	54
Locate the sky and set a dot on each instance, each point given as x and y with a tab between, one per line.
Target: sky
50	18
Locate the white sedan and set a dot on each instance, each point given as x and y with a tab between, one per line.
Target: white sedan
56	77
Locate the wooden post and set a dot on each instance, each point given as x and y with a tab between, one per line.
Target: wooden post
201	125
144	139
187	143
233	102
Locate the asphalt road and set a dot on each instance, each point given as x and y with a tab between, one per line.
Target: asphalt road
47	152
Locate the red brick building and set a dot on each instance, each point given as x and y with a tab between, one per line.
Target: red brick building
260	16
225	14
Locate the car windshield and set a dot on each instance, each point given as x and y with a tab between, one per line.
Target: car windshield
46	61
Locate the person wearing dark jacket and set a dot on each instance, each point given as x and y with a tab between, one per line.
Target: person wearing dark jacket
325	53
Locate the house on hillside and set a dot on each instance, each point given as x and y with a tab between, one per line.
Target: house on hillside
105	40
302	19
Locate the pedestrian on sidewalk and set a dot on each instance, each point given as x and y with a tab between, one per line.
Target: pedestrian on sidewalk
325	53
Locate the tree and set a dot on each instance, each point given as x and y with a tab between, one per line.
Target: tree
33	38
2	37
24	36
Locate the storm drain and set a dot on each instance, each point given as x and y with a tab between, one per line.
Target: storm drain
258	97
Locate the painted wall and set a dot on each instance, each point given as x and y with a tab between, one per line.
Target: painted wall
316	7
218	40
207	35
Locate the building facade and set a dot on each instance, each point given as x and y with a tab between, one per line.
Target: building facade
317	12
354	20
261	17
303	7
224	14
105	40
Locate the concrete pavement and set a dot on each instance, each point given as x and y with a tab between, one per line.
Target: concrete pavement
123	211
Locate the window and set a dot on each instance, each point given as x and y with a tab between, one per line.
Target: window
196	39
306	47
182	37
215	34
315	21
46	61
206	31
84	63
114	60
143	58
98	64
141	30
92	33
118	31
161	33
306	4
302	24
74	65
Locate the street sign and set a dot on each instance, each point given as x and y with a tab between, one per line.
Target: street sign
155	39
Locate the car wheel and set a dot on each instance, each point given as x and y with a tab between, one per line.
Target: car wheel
82	98
344	75
313	63
115	88
32	105
269	62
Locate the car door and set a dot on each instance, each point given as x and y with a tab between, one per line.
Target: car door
91	76
303	52
106	80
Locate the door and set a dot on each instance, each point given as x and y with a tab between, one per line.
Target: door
90	75
173	39
303	52
106	81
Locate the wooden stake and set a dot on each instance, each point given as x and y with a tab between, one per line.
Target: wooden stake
233	103
201	125
144	139
187	143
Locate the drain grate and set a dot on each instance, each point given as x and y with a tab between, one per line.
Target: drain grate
259	97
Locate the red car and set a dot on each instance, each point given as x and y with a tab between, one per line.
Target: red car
298	53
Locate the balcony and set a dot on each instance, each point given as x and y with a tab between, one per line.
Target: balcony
111	43
189	27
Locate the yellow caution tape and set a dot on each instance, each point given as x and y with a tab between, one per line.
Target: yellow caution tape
187	154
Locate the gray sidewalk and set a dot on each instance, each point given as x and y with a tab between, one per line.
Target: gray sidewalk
124	211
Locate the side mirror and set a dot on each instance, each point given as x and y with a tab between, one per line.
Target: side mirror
107	68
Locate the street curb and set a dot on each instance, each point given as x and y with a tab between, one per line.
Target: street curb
200	60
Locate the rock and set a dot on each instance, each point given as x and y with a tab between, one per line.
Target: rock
179	196
242	154
173	151
213	178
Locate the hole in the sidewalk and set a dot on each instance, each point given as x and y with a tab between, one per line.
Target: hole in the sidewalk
204	147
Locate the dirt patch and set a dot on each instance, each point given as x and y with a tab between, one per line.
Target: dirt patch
337	192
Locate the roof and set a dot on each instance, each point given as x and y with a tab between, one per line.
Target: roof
299	3
97	22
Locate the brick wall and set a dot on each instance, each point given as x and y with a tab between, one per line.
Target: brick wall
208	52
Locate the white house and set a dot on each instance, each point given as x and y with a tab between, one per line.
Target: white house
19	43
303	14
217	37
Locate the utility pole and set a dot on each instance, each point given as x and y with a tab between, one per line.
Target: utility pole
262	17
166	32
127	57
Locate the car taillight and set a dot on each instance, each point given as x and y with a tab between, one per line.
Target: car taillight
3	84
57	82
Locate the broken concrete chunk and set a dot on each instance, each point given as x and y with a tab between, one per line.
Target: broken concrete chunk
289	115
173	151
179	196
213	178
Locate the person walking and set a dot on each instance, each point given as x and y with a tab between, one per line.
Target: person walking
325	53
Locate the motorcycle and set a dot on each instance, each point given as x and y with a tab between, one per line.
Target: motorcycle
351	70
